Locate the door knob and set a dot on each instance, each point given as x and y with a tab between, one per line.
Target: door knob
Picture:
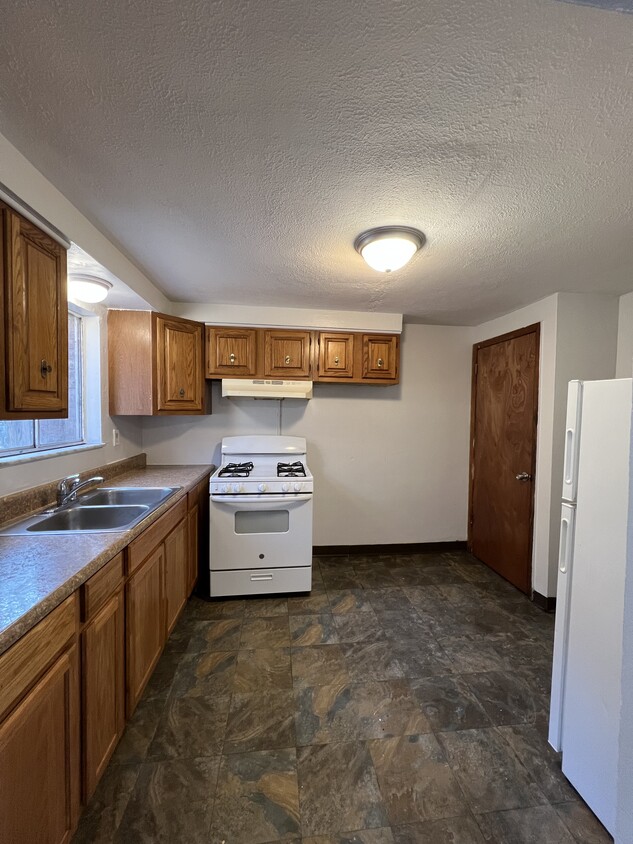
45	368
287	360
380	362
523	477
336	361
232	357
181	392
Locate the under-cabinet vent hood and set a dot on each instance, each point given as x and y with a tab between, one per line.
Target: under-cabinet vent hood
259	388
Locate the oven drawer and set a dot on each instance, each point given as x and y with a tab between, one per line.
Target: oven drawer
260	581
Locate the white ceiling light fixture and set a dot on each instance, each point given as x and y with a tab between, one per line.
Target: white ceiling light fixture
389	248
88	288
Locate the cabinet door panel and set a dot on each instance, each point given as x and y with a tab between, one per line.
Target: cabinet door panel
180	381
287	354
231	352
145	627
380	356
336	355
103	689
176	572
194	547
36	320
39	760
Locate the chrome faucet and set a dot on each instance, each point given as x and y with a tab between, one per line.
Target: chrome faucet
68	488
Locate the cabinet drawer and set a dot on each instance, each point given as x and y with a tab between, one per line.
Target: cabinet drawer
100	586
143	545
23	663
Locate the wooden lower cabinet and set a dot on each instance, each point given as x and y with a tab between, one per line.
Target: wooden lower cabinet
103	689
193	526
145	624
39	759
176	573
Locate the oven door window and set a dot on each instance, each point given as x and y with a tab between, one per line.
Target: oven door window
262	521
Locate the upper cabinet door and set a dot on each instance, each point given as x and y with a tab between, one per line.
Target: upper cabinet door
336	355
286	354
35	321
231	352
179	361
380	356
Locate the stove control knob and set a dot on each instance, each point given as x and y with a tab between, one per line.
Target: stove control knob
237	487
298	487
285	487
262	487
225	488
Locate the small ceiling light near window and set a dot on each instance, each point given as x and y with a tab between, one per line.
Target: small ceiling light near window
389	248
87	288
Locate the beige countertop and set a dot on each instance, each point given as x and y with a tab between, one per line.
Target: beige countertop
38	572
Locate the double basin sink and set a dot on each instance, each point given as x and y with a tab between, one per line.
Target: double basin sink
105	509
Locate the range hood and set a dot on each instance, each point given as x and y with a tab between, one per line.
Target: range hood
259	388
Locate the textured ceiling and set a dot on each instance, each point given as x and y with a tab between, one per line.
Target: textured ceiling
235	149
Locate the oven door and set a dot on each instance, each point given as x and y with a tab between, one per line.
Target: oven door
260	531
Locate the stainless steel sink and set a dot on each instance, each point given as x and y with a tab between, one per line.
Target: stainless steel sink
86	518
106	509
151	496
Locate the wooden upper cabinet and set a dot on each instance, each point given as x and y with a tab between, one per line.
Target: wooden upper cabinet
336	355
34	321
155	365
287	354
380	357
231	352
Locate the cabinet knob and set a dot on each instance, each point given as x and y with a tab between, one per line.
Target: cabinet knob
380	362
45	368
287	360
232	357
336	361
181	392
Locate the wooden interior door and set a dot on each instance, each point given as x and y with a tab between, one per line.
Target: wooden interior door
503	452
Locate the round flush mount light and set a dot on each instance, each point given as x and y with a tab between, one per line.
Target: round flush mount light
88	288
389	248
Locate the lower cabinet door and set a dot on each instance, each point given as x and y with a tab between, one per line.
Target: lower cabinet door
103	689
176	572
39	760
145	629
194	547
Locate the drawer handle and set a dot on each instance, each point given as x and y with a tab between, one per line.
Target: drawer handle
336	361
380	362
181	392
232	357
45	368
261	577
287	360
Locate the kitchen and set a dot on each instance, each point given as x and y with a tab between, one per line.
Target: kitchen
405	479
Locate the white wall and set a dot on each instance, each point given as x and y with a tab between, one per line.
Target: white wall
390	463
624	365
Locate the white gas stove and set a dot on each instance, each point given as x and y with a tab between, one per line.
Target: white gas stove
261	517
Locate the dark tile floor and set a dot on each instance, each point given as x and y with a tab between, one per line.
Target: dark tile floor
404	701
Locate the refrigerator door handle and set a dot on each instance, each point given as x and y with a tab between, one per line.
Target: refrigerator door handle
563	558
569	455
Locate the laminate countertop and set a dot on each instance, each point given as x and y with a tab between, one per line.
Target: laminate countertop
37	573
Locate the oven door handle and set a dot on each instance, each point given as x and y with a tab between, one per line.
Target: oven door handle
261	502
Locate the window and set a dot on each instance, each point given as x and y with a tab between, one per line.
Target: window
41	435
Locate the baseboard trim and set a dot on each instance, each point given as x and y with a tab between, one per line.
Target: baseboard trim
544	603
392	548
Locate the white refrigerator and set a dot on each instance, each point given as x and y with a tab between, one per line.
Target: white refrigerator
586	675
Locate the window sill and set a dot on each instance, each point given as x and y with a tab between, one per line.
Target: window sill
16	459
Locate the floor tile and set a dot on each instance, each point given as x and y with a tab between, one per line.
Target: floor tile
313	603
265	633
338	789
341	580
359	627
415	780
261	720
257	798
472	654
209	673
352	601
359	836
216	608
582	823
534	825
448	703
390	599
161	680
490	775
217	635
421	659
426	598
315	629
262	668
347	712
172	801
101	818
190	726
405	625
265	607
460	830
139	732
319	666
372	660
540	761
506	697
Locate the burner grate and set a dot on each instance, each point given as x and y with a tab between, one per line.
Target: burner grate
236	470
291	470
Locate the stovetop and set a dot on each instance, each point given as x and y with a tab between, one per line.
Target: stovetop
276	466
